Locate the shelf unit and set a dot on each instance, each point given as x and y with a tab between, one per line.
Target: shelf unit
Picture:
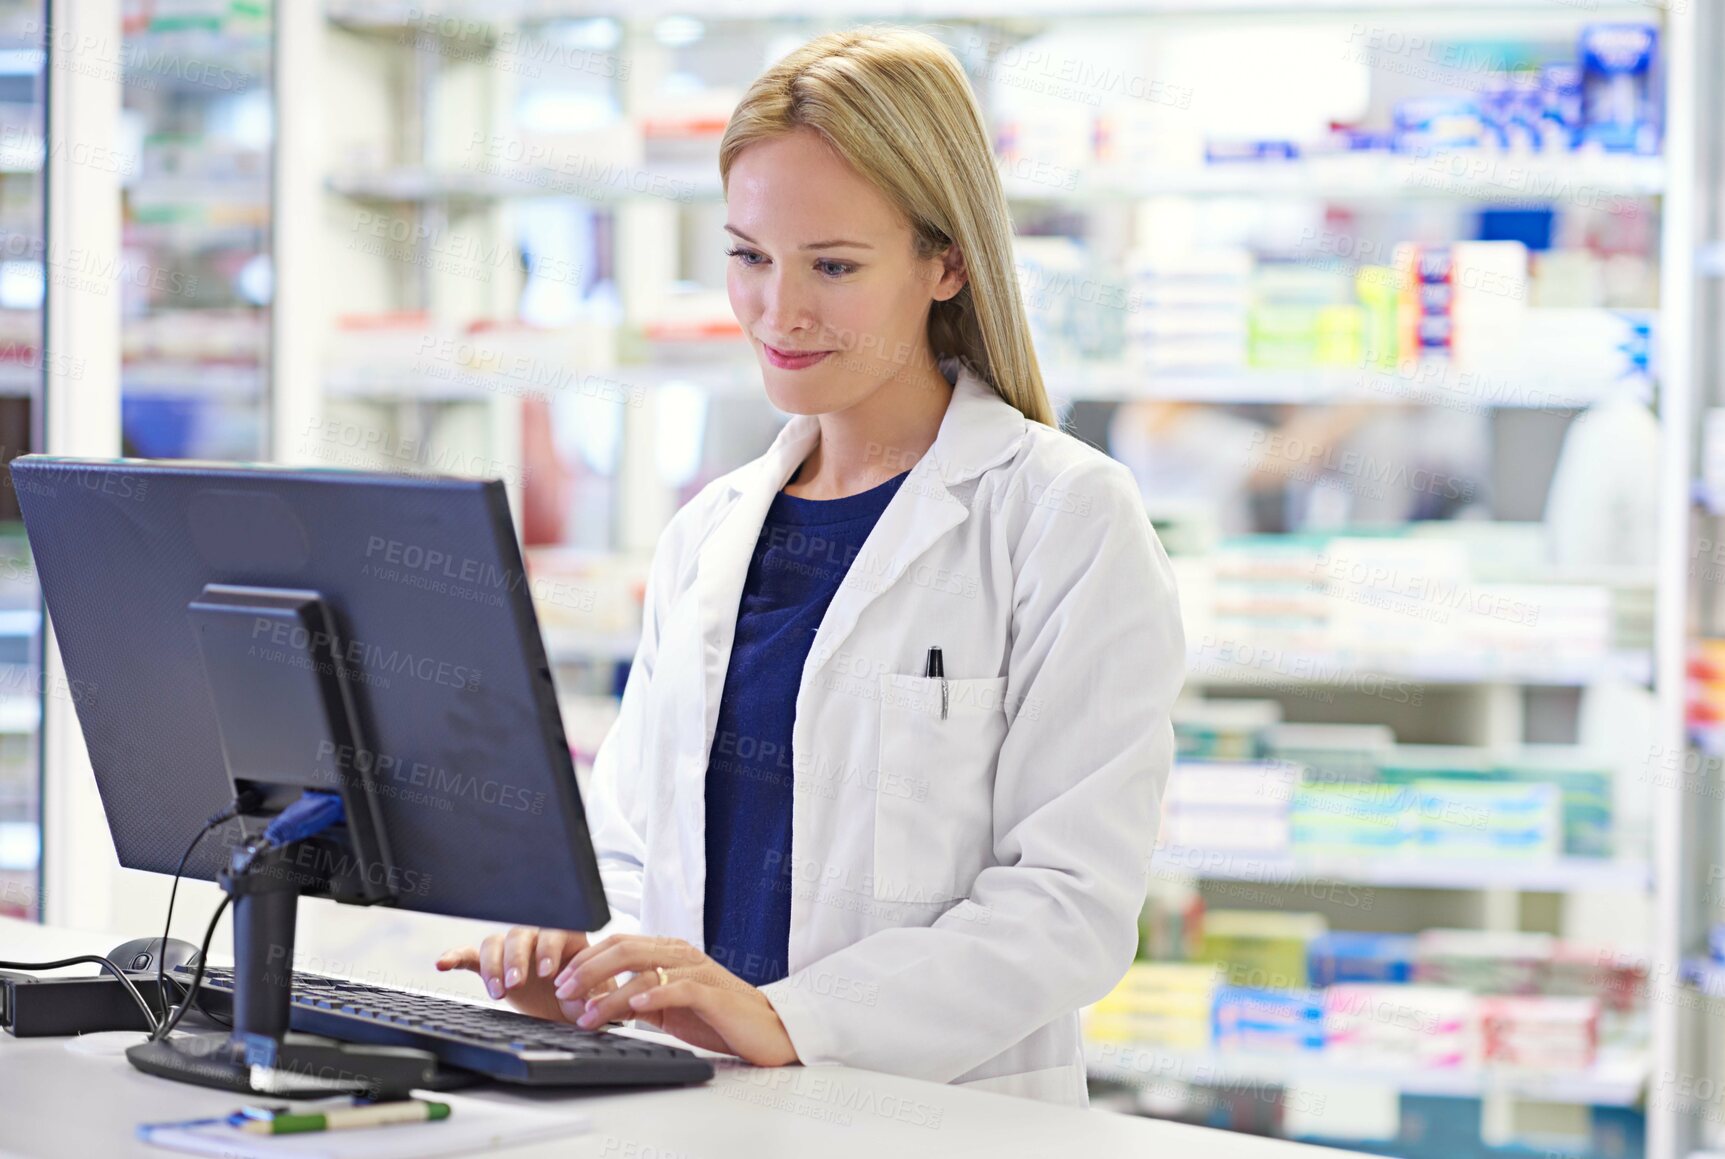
198	89
1691	831
417	184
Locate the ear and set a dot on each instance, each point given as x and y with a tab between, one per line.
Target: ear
953	274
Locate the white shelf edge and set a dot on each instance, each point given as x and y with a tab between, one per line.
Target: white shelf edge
1616	1081
1564	875
1302	669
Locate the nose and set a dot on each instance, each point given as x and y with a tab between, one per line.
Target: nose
786	307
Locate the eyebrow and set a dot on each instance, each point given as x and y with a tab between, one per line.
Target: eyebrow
813	245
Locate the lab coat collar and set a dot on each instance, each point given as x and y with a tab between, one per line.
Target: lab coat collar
979	430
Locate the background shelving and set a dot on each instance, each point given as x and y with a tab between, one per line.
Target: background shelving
497	233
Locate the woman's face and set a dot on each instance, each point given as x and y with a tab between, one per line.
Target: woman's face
825	279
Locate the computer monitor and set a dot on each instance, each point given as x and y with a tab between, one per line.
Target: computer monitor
255	633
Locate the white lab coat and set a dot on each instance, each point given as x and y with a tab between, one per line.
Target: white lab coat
961	887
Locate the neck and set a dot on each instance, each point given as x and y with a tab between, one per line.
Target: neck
884	435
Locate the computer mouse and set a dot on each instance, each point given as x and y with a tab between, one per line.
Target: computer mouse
138	956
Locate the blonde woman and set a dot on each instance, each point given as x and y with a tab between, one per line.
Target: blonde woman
888	765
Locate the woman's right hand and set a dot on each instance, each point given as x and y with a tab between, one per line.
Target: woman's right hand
522	965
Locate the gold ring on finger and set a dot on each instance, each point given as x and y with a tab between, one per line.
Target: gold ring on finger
664	979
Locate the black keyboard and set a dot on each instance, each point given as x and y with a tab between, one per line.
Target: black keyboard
501	1044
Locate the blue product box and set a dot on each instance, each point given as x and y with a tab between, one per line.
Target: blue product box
1618	108
1351	956
1424	124
1247	1018
1560	111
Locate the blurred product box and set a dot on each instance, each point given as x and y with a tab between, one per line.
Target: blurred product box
1262	1021
1351	820
1352	956
1393	1026
1540	1031
1260	948
1163	1003
1229	807
1331	752
1490	821
1226	730
1483	961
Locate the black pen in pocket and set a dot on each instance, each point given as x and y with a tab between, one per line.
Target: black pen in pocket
936	666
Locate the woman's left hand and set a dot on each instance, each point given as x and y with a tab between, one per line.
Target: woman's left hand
700	1001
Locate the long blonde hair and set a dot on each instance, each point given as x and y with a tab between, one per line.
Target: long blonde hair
896	105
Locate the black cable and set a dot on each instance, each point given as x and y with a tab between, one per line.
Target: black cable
149	1015
168	922
247	801
167	1028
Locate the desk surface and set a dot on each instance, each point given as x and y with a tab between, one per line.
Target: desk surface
54	1102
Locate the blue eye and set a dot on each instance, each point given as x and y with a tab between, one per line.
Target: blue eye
742	253
843	268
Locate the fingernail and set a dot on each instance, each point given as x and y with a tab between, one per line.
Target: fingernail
585	1022
591	1002
563	991
511	978
638	1001
494	987
544	966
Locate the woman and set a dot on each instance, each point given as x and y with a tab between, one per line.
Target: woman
887	770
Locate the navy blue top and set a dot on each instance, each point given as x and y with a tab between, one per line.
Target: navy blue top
805	548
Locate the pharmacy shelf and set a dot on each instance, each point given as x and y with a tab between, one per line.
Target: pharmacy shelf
1474	389
1616	1080
1272	667
153	379
1595	180
407	386
1283	668
471	17
1564	875
1427	384
606	182
1601	180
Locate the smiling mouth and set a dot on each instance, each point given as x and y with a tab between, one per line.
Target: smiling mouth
794	359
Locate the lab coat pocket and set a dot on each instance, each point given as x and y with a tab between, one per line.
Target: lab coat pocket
934	797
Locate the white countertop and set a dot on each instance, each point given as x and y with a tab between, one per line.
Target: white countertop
56	1103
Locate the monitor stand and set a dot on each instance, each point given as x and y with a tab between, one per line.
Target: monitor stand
260	1055
283	710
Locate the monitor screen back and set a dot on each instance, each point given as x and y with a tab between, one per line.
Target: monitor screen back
435	630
